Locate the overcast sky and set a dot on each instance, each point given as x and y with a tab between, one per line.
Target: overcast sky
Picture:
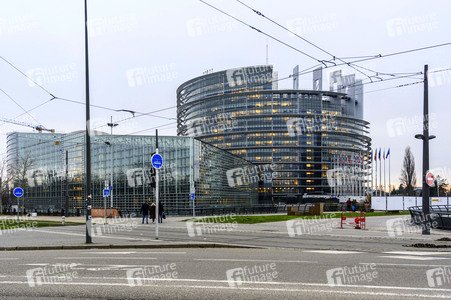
141	51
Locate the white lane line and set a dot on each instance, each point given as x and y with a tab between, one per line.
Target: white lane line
332	251
257	260
413	257
136	252
409	265
417	253
131	252
85	257
333	289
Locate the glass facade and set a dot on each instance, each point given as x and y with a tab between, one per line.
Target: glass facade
38	161
302	134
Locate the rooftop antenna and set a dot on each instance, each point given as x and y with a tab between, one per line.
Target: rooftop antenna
266	52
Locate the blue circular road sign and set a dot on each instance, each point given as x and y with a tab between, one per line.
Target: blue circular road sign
18	192
157	161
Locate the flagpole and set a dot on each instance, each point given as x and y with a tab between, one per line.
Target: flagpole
380	175
375	176
389	182
385	186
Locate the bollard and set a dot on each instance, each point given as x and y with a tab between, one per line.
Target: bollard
63	220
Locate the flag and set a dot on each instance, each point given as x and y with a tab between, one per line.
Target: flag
388	153
368	155
384	155
380	150
375	154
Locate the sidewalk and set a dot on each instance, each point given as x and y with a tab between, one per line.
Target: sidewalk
130	233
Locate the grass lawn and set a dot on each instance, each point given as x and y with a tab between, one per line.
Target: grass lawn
12	224
249	219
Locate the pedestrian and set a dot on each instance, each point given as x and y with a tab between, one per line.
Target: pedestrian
160	212
354	205
153	208
145	211
348	205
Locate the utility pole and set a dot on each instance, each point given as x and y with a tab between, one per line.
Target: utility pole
87	137
425	137
111	124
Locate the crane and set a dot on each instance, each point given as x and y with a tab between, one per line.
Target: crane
39	128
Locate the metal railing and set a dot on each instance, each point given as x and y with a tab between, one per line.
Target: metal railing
440	216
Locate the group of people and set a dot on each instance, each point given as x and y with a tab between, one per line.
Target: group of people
351	205
146	208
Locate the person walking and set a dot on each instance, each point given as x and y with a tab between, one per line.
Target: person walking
153	208
160	212
145	211
348	205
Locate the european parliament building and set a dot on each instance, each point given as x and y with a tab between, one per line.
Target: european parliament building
38	163
301	136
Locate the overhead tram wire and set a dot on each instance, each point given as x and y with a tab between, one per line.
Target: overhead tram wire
18	70
69	100
12	99
262	32
304	39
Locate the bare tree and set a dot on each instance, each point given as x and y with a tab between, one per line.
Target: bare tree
19	173
408	177
5	181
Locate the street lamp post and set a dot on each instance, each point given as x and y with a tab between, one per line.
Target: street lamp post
425	137
111	124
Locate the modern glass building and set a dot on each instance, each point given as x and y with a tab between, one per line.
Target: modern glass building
38	161
315	141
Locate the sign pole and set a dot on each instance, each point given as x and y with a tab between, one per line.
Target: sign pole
17	212
157	196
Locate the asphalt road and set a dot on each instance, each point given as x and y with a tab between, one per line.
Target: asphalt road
224	274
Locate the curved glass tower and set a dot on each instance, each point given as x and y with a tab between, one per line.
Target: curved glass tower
309	141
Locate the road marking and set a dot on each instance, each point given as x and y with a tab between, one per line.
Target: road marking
331	251
409	265
131	252
417	253
100	258
257	260
333	289
413	257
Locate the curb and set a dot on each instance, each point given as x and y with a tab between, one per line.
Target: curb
129	246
